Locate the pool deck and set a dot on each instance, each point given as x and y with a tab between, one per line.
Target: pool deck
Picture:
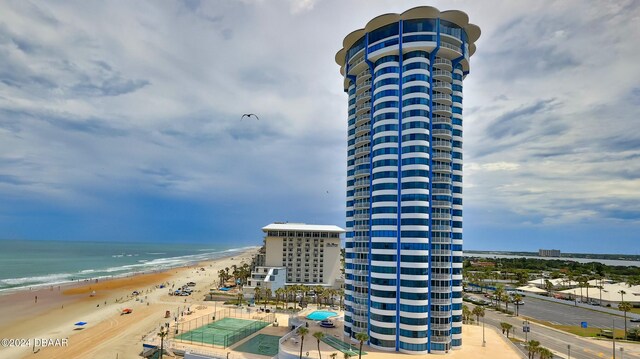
497	346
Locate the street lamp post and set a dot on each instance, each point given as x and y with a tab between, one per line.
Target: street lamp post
613	336
569	350
484	343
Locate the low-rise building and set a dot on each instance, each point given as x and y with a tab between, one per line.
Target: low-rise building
272	278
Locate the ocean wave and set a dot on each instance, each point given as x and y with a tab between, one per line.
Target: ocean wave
143	265
15	282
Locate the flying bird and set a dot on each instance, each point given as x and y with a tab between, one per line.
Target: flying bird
249	115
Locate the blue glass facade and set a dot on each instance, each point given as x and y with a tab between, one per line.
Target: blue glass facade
404	184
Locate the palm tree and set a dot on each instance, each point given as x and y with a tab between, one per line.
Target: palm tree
466	313
333	355
341	294
506	327
625	307
222	276
361	337
498	294
548	286
319	292
532	347
266	296
347	355
505	299
302	331
545	353
478	311
517	298
280	293
318	336
163	333
257	294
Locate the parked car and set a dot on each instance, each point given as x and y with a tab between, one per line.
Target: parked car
519	303
635	320
191	284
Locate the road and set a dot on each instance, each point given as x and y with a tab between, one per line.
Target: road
567	314
557	341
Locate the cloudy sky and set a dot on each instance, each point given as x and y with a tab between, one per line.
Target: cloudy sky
122	121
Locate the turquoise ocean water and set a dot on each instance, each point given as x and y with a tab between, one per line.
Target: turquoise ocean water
26	264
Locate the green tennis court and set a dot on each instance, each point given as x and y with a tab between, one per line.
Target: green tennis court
342	346
224	332
261	344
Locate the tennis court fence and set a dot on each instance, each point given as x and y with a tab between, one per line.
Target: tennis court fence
221	329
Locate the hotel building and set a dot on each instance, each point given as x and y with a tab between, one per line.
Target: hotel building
308	254
403	75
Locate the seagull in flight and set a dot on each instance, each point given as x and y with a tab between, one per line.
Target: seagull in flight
249	115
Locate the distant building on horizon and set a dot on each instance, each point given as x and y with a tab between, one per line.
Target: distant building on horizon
548	253
403	263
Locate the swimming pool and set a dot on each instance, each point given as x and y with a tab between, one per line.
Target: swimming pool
321	315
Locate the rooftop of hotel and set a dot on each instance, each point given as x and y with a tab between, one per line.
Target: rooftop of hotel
278	226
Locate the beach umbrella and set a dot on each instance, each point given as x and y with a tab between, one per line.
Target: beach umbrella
80	323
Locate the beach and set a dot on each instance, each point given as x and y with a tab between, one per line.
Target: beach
43	319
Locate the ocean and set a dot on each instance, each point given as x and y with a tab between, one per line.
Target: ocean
25	264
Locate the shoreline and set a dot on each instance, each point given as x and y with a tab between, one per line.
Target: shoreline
58	307
79	281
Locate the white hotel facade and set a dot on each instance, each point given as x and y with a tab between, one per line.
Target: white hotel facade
403	75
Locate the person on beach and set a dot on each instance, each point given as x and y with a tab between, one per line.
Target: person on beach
36	299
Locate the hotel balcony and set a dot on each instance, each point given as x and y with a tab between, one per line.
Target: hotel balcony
442	133
440	339
361	172
442	63
442	75
362	194
364	96
441	168
362	150
441	265
437	120
433	326
439	301
362	161
455	50
441	144
442	156
440	192
445	216
362	119
442	87
361	216
441	179
360	130
441	110
441	252
439	276
442	98
361	140
363	107
363	86
364	75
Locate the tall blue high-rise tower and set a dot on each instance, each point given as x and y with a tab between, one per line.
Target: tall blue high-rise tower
403	73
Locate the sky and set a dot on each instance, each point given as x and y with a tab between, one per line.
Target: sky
121	121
